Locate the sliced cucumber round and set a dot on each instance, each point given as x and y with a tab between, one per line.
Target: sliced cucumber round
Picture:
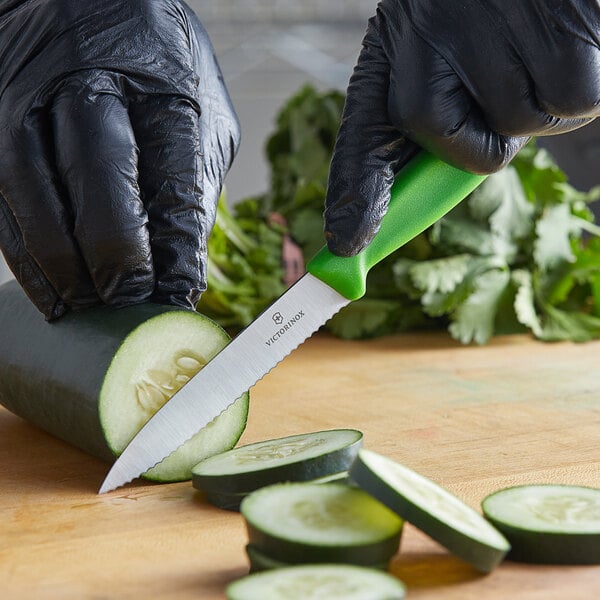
293	458
431	508
311	522
317	582
547	523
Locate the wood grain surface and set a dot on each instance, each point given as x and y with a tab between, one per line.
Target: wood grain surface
474	419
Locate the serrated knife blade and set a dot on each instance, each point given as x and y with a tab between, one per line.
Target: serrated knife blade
290	320
423	191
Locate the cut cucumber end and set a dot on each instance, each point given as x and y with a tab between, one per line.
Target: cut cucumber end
152	363
317	582
548	523
431	508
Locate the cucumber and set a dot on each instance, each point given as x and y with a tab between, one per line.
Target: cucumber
312	522
431	508
548	523
317	582
259	561
232	501
293	458
341	477
94	377
224	500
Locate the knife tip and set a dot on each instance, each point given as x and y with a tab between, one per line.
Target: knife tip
113	481
107	487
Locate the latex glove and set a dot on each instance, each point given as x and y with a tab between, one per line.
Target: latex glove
116	132
469	81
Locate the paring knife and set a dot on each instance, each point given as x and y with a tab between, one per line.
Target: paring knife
423	191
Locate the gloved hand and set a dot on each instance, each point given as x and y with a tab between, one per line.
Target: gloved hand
116	132
469	81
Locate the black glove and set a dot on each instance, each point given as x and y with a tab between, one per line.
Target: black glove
469	81
116	132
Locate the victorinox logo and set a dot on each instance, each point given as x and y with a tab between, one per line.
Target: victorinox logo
279	319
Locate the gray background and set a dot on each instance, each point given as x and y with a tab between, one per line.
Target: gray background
269	48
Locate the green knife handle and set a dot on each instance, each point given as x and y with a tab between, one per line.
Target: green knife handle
423	192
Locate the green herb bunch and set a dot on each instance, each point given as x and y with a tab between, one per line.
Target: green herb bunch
245	273
521	253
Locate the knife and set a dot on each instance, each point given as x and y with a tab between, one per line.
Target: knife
424	190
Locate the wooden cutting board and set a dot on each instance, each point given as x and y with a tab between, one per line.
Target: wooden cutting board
474	419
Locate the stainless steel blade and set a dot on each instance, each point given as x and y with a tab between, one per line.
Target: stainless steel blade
281	328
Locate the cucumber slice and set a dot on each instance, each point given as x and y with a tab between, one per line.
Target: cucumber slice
259	561
225	500
95	376
547	523
317	582
293	458
431	508
312	522
232	501
341	477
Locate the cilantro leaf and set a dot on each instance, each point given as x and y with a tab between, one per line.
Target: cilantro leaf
553	237
560	325
474	319
439	302
440	275
524	302
362	318
501	200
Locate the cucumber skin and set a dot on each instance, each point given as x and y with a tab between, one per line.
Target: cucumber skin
259	561
481	556
51	374
232	501
306	470
225	500
365	555
541	547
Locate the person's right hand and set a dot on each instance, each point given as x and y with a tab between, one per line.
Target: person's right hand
469	81
116	132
